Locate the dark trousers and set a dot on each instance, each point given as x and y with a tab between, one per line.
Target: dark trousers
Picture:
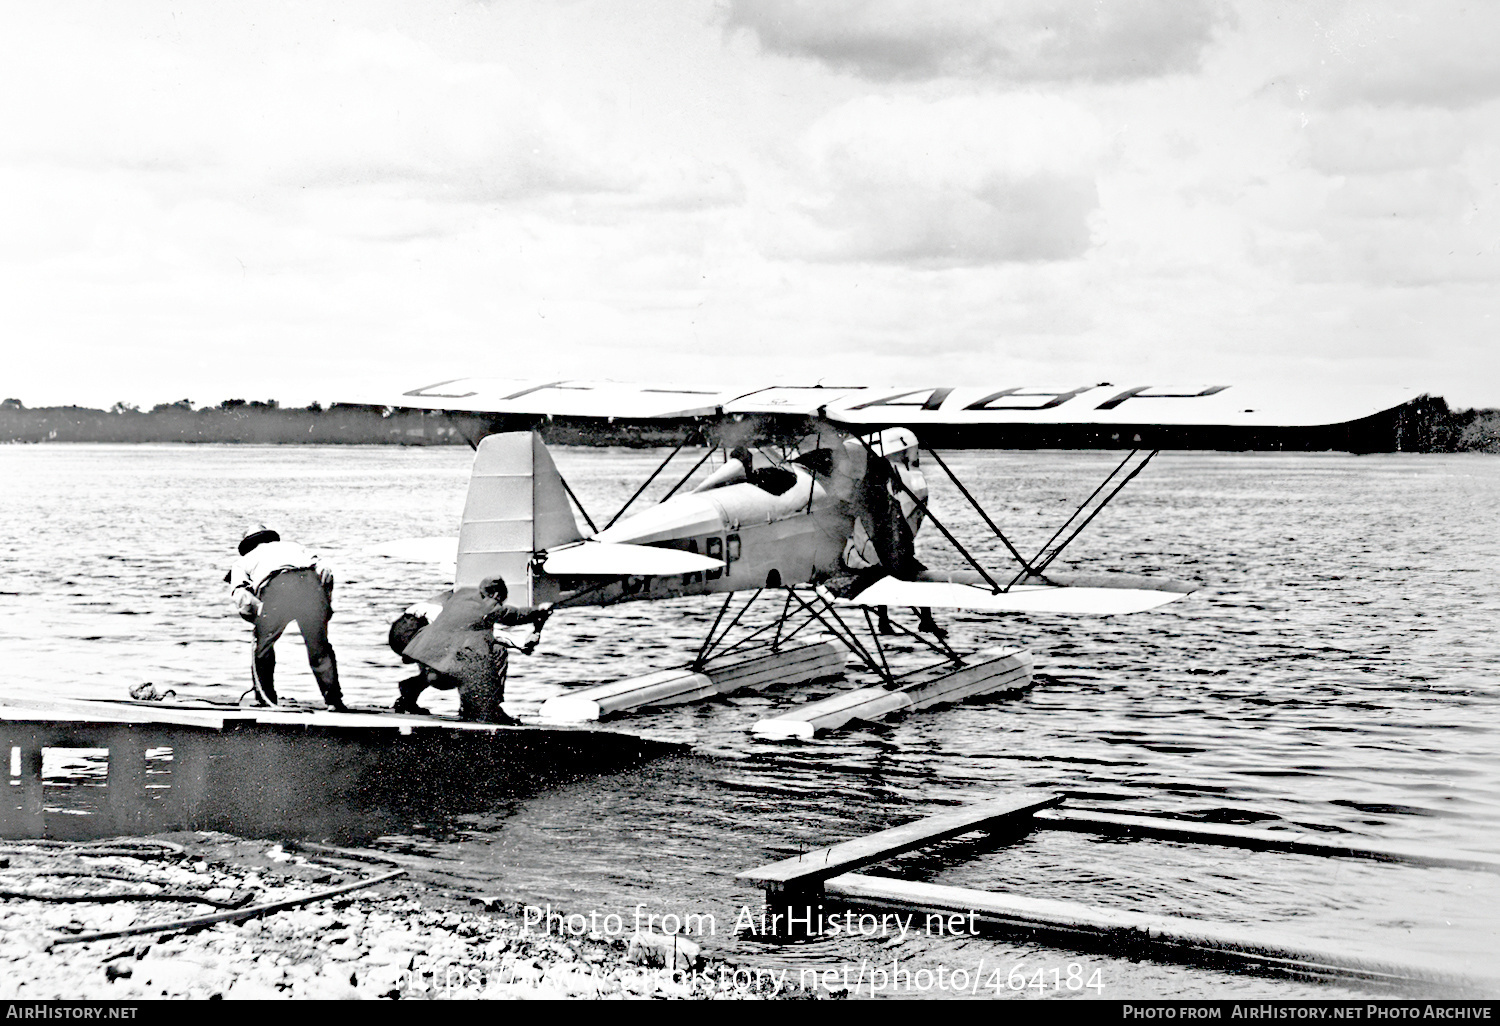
479	697
295	595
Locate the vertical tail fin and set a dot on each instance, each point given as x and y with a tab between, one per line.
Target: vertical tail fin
516	507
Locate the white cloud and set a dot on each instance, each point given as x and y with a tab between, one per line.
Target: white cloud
1439	53
952	182
1000	40
352	105
1374	140
270	200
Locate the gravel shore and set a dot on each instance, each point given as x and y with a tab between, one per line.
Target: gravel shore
397	939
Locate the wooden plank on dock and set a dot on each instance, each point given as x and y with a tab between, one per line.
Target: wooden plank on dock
806	871
998	669
83	711
64	712
1171	937
1263	840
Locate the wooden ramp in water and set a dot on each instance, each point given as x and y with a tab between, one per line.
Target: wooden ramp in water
807	872
798	885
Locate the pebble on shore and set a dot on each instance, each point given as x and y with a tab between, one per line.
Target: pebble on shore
384	942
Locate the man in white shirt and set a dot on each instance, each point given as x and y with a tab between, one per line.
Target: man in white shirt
273	583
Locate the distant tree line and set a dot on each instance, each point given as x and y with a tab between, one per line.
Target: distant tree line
1428	425
270	423
1423	425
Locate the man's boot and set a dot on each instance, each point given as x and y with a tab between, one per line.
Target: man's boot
410	689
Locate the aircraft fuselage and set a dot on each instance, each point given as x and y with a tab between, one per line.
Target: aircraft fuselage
800	536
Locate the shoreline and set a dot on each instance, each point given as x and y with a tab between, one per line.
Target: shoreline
399	939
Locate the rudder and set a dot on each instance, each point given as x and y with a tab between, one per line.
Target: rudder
516	507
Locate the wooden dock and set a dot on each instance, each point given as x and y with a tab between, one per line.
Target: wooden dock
259	771
1137	934
825	877
1301	843
804	873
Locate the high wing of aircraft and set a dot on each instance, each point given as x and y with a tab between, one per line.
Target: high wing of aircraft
914	406
820	494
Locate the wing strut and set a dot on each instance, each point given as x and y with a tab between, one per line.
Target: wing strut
685	477
647	483
586	518
1043	558
885	665
940	646
980	510
708	642
663	466
462	433
842	632
713	645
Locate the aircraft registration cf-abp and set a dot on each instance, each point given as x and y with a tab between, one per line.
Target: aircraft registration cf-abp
820	495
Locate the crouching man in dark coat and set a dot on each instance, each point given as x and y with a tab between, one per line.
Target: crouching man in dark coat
457	648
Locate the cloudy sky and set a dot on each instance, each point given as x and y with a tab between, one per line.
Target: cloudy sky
294	200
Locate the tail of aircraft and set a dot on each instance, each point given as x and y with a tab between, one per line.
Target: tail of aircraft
516	506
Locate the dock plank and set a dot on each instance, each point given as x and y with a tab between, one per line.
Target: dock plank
216	717
1168	937
28	709
816	866
1301	843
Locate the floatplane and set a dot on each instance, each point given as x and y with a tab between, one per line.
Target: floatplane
818	500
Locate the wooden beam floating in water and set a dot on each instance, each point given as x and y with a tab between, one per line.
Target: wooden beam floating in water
1172	937
1262	840
825	875
26	802
807	872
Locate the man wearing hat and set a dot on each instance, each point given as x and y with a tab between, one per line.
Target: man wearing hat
451	636
273	583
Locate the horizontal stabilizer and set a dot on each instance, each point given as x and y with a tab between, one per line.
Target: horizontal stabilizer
616	559
418	550
1023	598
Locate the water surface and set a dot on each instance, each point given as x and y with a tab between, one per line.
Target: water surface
1336	672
